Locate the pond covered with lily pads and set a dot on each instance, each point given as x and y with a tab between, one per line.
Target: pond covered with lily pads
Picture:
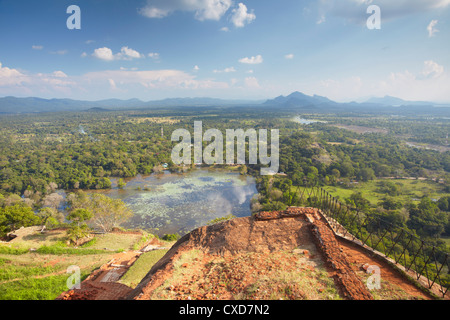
178	203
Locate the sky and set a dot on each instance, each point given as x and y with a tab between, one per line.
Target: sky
229	49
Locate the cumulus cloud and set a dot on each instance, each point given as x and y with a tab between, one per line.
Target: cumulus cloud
431	28
125	53
253	60
91	85
59	74
36	47
428	85
15	82
203	9
289	56
240	16
128	54
103	54
11	77
431	70
355	10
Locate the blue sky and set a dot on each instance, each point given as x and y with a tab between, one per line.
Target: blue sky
248	49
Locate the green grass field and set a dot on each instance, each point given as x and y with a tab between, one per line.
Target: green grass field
141	267
41	274
412	190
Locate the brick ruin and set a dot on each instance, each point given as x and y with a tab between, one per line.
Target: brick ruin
264	232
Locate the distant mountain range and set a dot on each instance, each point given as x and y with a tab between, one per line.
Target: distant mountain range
298	99
34	105
395	102
295	101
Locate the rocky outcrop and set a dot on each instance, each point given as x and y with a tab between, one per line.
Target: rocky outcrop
249	248
238	235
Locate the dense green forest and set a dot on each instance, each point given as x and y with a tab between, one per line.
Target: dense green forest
41	153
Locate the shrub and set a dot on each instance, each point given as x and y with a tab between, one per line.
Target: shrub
171	237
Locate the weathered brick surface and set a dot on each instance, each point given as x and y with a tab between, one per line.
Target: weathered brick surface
350	285
266	233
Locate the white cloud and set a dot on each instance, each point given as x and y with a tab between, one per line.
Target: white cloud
196	68
15	82
128	54
35	47
428	84
100	84
432	70
59	74
151	79
154	55
225	29
152	12
103	54
240	16
252	82
11	77
226	70
289	56
112	84
431	28
203	9
84	55
125	53
253	60
89	41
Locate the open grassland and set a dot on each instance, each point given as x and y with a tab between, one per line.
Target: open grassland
141	267
411	190
41	273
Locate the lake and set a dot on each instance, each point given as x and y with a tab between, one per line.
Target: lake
178	203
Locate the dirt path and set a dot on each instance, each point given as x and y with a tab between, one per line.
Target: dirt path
360	258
